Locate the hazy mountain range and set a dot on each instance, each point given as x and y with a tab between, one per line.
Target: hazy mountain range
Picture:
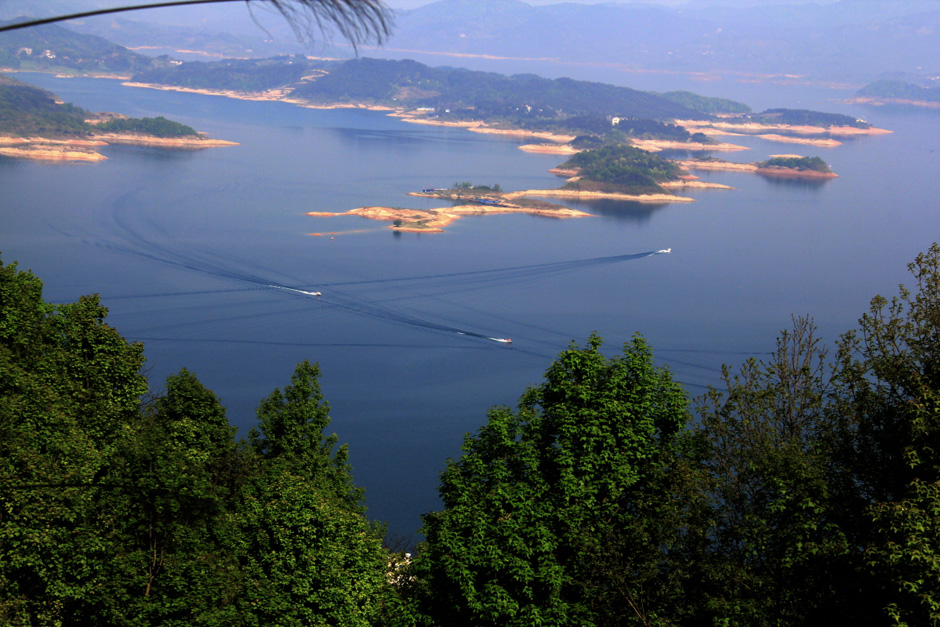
848	40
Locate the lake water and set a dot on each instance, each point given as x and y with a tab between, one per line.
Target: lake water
193	252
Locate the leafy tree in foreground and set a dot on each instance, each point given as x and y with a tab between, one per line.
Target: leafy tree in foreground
309	555
778	555
177	470
69	385
559	513
116	514
890	390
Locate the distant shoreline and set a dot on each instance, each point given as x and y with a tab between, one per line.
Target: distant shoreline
53	149
773	171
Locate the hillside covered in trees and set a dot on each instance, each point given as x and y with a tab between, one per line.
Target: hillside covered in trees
805	491
898	90
55	48
620	167
28	111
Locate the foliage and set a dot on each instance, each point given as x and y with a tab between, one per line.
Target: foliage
115	513
29	111
625	127
814	164
890	382
69	386
249	75
802	117
887	88
52	47
704	104
778	554
158	127
486	95
627	167
551	506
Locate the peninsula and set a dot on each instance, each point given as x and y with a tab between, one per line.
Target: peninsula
35	124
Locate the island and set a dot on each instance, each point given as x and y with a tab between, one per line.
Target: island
794	126
469	199
616	172
778	166
924	93
35	124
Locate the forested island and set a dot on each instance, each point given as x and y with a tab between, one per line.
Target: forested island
35	124
900	92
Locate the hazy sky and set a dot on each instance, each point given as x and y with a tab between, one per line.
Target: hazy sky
412	4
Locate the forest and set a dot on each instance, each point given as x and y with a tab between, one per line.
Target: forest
620	167
800	117
157	127
815	164
803	490
901	90
28	111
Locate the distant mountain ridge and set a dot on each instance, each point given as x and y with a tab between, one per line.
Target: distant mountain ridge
856	39
55	47
844	40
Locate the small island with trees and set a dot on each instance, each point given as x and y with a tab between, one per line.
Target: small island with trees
780	166
35	124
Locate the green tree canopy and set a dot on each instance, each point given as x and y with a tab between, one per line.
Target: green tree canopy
543	496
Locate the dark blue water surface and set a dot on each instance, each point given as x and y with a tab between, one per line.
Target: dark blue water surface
194	252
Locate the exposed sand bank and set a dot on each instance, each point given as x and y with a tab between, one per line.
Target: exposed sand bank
808	141
47	149
575	193
878	102
550	149
481	127
692	164
756	169
688	184
754	128
790	173
45	152
655	145
43	149
134	139
271	94
434	220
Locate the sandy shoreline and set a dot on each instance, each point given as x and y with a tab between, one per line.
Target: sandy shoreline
716	165
777	172
880	102
655	145
807	141
162	142
576	193
50	149
790	173
434	220
50	153
692	184
754	128
549	149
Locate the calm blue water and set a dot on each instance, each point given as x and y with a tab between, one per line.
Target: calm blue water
191	251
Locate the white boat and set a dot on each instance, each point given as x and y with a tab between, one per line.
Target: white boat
504	340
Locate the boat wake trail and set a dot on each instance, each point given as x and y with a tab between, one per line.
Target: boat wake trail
371	297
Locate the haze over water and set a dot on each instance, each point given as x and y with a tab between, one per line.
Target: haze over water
205	256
